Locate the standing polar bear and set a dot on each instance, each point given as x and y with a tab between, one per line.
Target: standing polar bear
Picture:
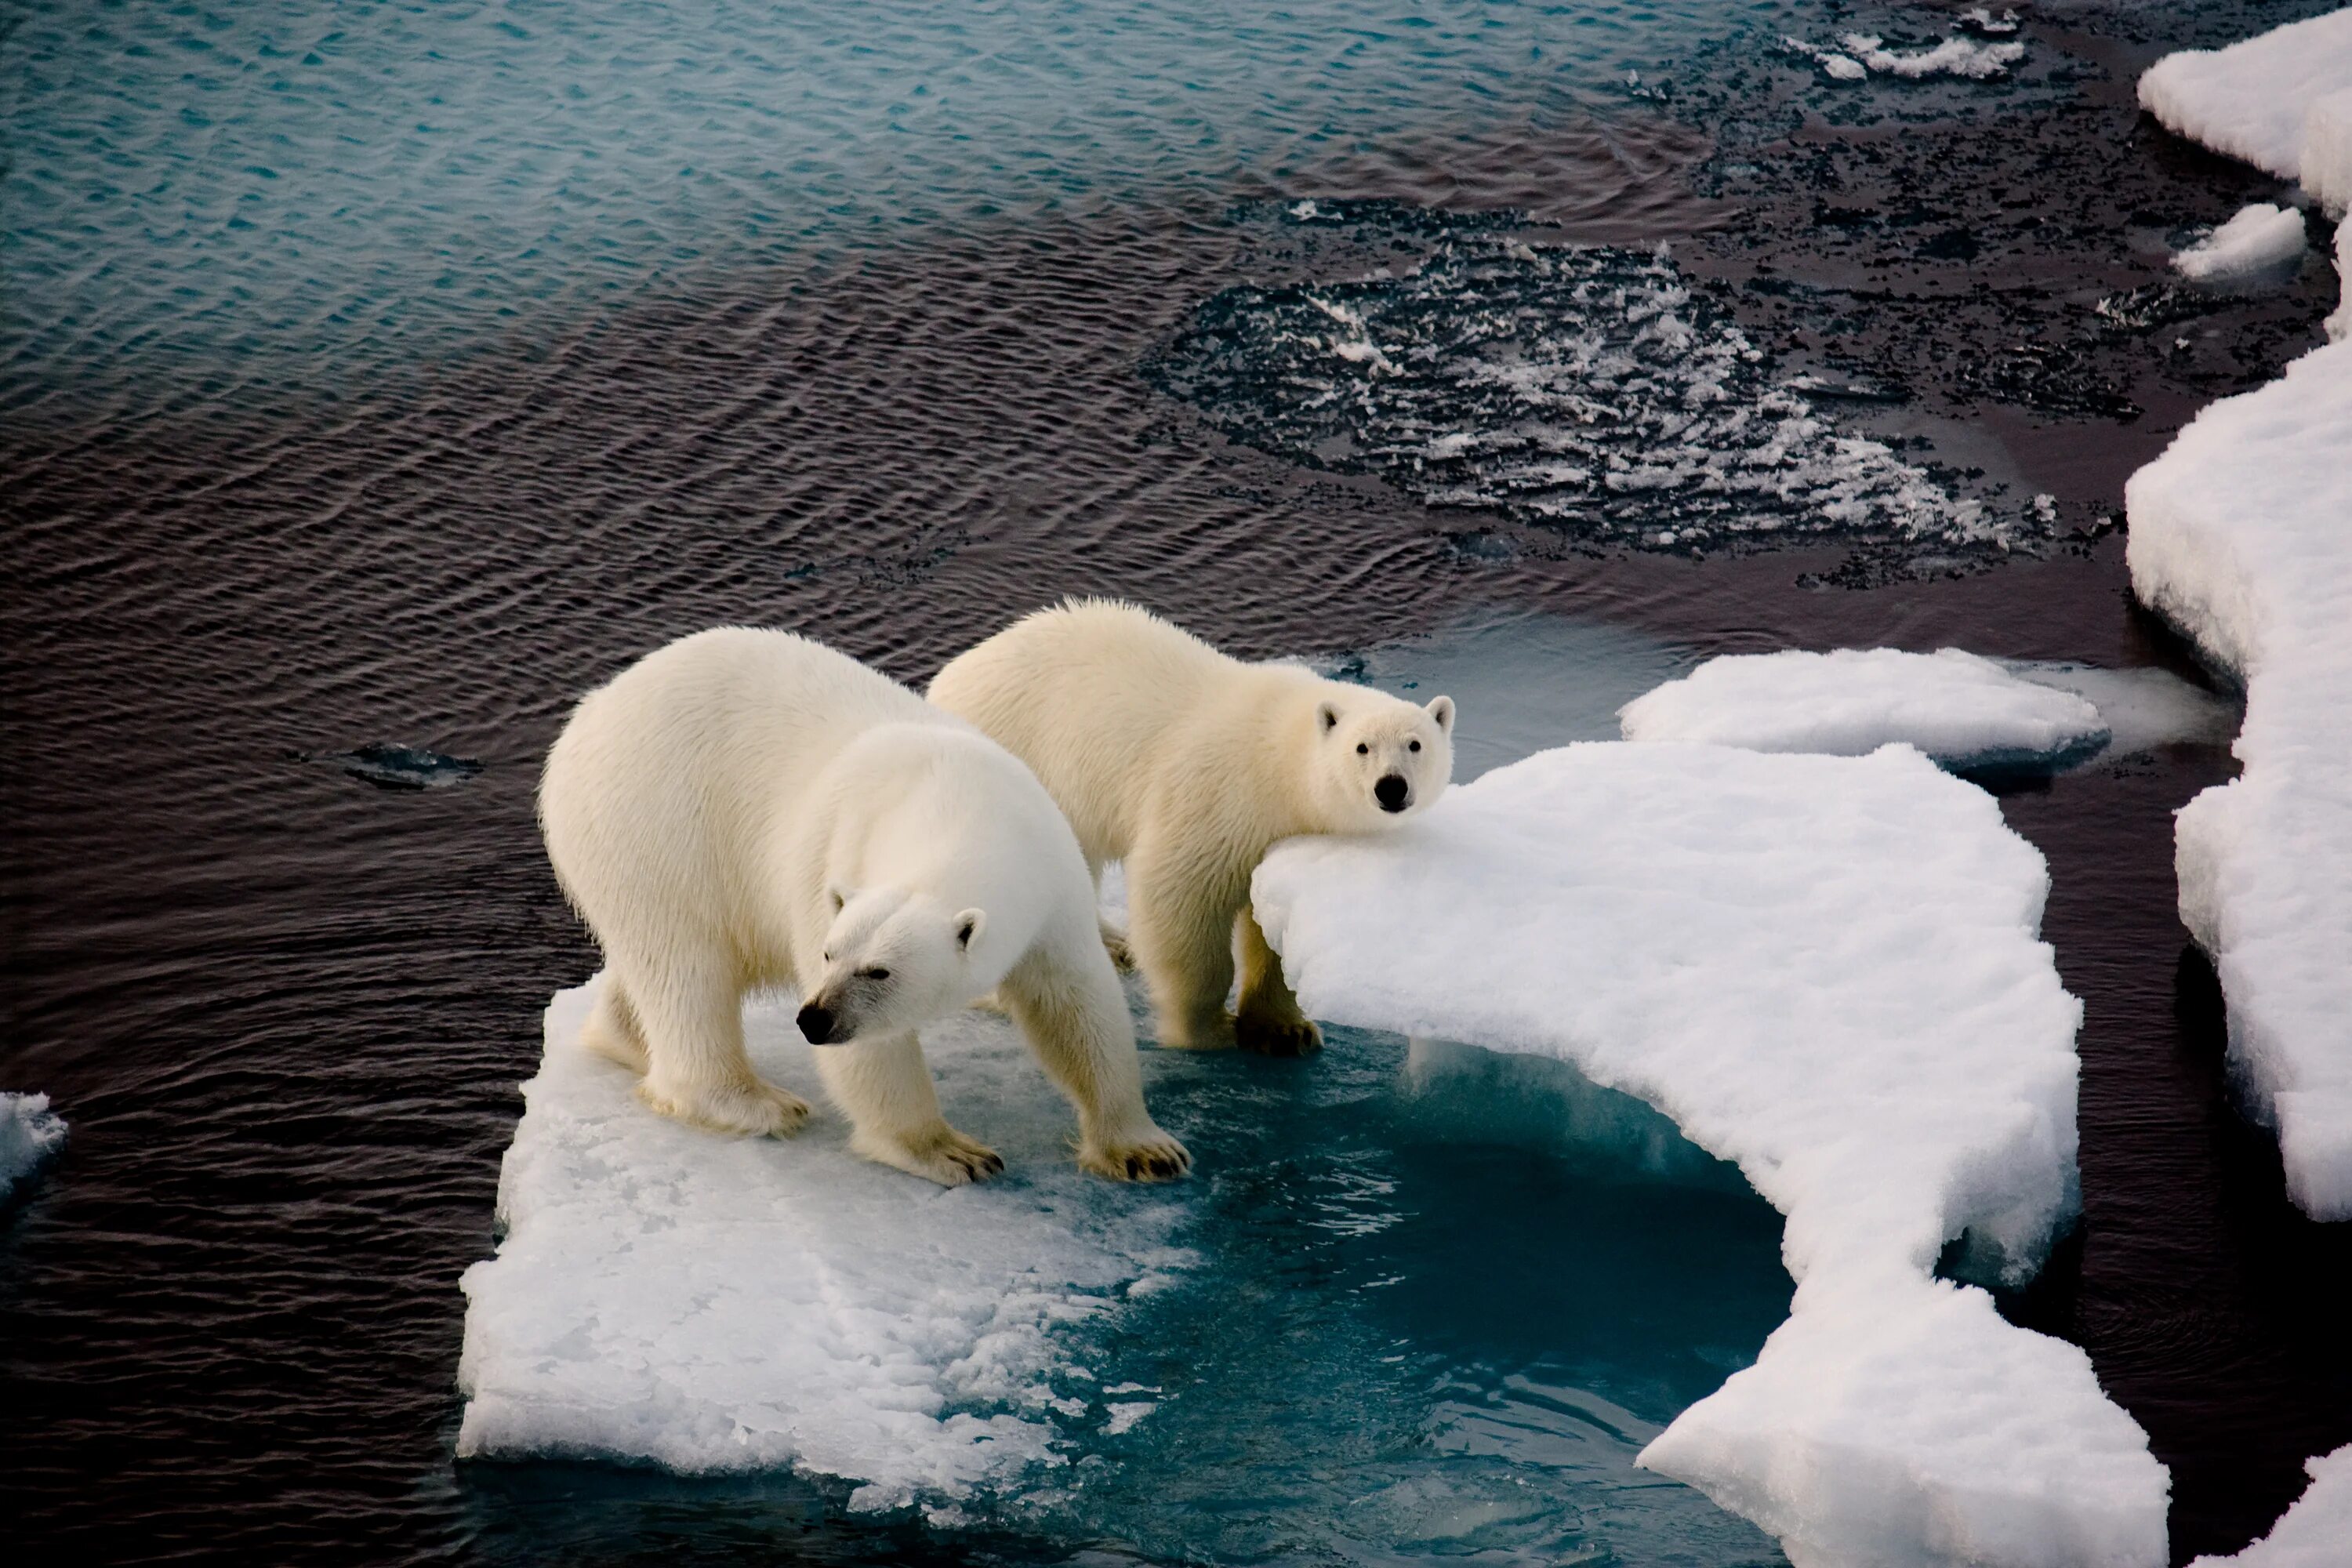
1188	765
744	808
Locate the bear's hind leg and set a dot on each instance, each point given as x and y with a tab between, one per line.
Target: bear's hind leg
697	1071
885	1090
611	1031
1269	1020
1181	923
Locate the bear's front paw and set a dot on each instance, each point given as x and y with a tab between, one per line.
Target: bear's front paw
759	1109
1153	1157
1274	1036
943	1155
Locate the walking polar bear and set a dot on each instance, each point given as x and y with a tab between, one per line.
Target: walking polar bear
1188	765
744	808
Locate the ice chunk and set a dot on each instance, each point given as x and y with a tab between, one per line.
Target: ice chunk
725	1304
1961	709
2260	237
2317	1532
2241	535
2254	100
1826	970
1866	54
30	1134
1953	57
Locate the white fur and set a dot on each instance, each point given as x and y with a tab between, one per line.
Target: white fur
1188	765
747	808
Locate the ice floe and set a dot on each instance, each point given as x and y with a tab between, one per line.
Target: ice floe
2317	1532
1827	969
30	1134
718	1304
1963	710
2241	535
2280	101
2259	239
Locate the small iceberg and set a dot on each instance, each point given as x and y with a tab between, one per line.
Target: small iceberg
2260	238
30	1136
1827	969
388	766
2280	101
2317	1532
1968	713
2241	536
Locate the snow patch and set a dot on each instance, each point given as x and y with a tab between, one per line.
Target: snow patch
2260	237
717	1304
1963	710
1826	970
2317	1532
2241	535
2264	100
30	1135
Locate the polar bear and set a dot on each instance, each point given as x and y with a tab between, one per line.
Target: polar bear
744	808
1188	765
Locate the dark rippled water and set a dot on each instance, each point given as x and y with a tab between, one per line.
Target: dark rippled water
401	395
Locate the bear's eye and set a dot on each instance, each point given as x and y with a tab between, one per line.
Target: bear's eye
874	975
1361	749
1413	746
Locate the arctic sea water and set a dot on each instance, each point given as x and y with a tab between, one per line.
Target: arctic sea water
1426	1323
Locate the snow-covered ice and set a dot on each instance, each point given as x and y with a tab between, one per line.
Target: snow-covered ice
31	1134
2317	1532
1963	710
2259	239
726	1304
2241	535
1828	971
2268	100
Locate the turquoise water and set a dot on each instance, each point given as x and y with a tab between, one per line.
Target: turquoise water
337	182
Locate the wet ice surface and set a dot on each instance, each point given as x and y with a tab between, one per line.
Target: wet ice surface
1412	1304
1583	389
1966	712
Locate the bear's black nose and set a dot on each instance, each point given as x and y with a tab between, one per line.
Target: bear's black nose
816	1023
1390	792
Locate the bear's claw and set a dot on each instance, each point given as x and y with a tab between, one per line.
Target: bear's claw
1159	1158
1278	1037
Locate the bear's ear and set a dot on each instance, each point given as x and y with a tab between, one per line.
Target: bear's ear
1326	718
1441	710
968	927
835	895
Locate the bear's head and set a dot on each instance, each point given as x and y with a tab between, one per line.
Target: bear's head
1377	759
894	961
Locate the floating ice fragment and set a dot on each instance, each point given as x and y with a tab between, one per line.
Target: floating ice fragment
388	766
2276	101
30	1135
2317	1532
1980	19
2241	536
2259	239
1953	57
1965	712
726	1304
1828	971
